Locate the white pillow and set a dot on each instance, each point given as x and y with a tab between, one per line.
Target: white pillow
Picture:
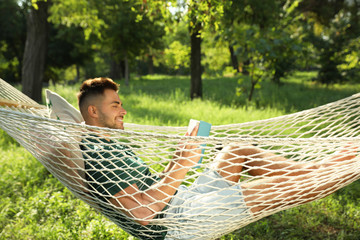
60	109
73	162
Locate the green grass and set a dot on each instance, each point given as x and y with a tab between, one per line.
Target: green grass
34	205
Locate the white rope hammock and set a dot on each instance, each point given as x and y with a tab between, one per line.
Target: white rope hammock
325	138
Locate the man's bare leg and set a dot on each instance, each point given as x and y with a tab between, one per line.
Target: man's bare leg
282	192
291	182
232	160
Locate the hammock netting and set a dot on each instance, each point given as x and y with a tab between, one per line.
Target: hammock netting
323	139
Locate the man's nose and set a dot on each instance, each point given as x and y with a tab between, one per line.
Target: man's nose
123	111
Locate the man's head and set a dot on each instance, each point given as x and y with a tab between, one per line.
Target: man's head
100	104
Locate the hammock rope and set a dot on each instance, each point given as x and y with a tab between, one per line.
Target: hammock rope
323	139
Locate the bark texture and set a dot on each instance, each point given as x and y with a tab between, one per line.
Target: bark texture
35	51
195	64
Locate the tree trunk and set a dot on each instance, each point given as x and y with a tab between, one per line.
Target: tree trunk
126	61
150	64
77	78
234	60
245	67
252	89
246	63
116	71
35	51
195	61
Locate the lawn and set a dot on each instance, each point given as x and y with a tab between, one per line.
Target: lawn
34	205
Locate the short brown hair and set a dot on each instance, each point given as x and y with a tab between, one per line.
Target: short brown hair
94	87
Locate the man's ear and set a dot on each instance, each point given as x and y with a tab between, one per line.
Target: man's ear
92	111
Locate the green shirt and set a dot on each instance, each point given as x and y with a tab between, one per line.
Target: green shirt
112	167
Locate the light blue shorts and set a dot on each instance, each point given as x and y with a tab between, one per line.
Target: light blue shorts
208	208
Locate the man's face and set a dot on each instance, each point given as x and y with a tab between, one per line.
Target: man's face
111	113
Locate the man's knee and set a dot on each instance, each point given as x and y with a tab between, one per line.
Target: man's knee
240	150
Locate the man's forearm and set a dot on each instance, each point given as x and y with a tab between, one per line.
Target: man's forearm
145	205
170	165
161	192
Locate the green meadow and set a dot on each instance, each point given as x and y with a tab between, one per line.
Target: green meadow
34	205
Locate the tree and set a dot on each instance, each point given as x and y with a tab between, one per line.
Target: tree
195	54
124	29
174	58
67	46
257	47
12	39
130	32
35	50
268	45
333	26
202	14
252	12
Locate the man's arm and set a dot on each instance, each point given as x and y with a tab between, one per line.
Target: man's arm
172	162
145	205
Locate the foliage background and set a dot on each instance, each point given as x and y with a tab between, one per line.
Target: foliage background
34	205
259	59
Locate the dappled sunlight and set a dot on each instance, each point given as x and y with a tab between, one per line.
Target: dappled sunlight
167	103
164	100
146	109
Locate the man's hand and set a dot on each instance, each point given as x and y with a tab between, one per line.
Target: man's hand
189	151
185	151
144	206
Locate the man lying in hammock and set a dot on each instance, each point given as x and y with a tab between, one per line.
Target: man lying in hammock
145	200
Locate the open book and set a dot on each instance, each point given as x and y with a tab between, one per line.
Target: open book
204	131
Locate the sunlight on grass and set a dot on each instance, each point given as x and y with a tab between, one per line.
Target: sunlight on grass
144	109
34	205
